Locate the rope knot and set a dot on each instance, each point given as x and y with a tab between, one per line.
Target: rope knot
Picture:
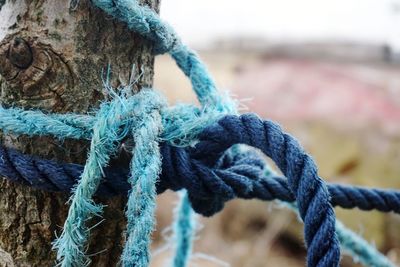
137	115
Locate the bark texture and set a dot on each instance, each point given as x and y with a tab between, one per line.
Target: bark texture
51	58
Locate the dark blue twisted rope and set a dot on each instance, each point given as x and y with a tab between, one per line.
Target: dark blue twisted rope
243	173
210	185
312	196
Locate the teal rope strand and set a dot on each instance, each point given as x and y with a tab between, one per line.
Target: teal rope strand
145	168
360	250
109	129
184	229
144	21
33	122
106	133
181	123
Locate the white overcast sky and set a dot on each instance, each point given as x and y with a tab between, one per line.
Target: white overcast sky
199	21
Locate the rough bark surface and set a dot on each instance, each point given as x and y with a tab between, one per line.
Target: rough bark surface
51	58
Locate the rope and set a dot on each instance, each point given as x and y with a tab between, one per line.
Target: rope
209	181
144	21
106	135
311	194
357	247
216	134
242	173
184	229
144	170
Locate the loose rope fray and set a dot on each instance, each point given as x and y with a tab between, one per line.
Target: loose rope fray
193	149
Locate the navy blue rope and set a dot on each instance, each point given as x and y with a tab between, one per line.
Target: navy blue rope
212	176
312	196
243	173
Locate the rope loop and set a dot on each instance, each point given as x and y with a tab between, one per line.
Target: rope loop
115	119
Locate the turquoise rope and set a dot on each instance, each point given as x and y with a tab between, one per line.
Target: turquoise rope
360	250
184	229
106	135
149	25
181	123
144	21
145	168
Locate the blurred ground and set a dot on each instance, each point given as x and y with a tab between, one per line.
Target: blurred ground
346	115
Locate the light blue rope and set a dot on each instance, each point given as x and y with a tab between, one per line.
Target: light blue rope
106	135
108	124
184	229
145	168
145	22
360	250
181	123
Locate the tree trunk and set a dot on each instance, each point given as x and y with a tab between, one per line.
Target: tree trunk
51	58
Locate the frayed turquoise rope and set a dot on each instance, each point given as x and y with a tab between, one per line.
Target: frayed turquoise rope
145	168
184	228
181	123
144	21
360	250
108	130
147	23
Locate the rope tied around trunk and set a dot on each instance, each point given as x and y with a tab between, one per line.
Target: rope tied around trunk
193	149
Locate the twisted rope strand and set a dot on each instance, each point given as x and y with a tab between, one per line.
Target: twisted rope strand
184	228
242	173
144	170
70	244
311	193
361	251
107	132
144	21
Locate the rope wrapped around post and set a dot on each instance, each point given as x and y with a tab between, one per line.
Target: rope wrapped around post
244	173
193	144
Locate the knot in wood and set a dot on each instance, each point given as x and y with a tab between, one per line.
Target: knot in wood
20	53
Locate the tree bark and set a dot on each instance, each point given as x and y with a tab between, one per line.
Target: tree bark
51	58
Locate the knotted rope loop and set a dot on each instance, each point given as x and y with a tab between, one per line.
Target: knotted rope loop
112	123
312	196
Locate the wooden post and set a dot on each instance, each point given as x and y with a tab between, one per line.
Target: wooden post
51	58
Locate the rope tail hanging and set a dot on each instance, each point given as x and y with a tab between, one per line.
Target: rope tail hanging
182	147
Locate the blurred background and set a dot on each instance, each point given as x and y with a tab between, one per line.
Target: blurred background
329	72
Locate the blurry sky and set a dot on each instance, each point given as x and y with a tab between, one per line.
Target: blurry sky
199	21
